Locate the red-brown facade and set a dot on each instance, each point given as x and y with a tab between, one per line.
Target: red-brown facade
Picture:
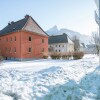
23	44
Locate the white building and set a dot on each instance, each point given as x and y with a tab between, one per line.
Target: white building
61	44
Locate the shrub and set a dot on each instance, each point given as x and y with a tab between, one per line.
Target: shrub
55	56
66	55
69	55
78	55
1	58
45	55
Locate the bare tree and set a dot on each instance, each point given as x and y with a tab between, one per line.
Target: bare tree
95	40
76	43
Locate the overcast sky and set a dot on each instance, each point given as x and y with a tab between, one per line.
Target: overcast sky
77	15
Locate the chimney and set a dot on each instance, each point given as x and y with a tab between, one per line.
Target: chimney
64	34
12	22
26	16
9	23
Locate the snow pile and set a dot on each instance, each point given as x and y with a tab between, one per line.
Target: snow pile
51	80
5	97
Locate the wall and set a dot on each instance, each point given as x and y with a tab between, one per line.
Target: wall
7	47
33	27
36	45
62	47
59	46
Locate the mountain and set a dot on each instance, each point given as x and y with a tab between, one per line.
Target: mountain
53	30
83	38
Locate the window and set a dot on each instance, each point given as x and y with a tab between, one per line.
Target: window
59	50
63	45
42	40
56	45
14	49
15	38
56	50
30	39
29	49
59	45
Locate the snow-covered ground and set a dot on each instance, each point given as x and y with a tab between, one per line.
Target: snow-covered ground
50	79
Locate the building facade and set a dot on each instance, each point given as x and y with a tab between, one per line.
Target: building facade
23	40
60	44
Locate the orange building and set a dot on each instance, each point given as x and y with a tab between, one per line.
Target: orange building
23	40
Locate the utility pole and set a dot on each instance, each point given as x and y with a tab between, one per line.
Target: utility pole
99	32
97	18
99	28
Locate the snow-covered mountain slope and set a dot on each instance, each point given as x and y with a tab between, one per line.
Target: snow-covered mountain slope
70	33
83	38
53	30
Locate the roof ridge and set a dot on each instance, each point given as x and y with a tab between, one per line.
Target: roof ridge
59	35
19	20
15	26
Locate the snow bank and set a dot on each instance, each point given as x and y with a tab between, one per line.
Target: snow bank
5	97
51	80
